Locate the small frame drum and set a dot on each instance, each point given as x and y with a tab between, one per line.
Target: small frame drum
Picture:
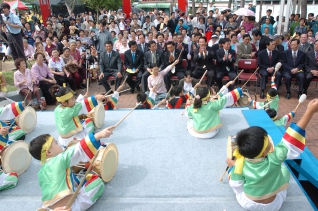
16	157
98	115
107	161
27	119
231	146
243	101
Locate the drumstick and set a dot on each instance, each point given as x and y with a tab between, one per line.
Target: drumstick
108	92
27	95
249	78
124	80
266	104
165	97
238	75
118	92
71	201
302	98
203	76
227	168
87	84
120	121
180	54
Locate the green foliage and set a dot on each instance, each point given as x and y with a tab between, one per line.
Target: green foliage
100	4
9	79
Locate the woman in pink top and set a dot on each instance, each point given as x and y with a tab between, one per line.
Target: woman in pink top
26	83
156	82
248	25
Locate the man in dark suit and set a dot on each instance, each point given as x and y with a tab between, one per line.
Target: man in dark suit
257	34
311	66
161	45
152	58
134	59
225	63
203	56
267	60
180	45
143	46
268	15
172	23
293	62
170	56
304	45
110	65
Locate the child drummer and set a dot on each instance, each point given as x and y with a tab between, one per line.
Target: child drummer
55	176
205	121
258	178
282	121
271	101
7	134
67	114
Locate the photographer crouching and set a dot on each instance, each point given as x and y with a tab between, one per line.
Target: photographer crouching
14	33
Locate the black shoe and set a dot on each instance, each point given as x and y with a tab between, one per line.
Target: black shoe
262	95
132	90
287	96
84	85
174	83
111	92
112	82
299	94
138	88
248	84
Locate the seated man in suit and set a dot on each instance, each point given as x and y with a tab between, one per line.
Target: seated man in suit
203	56
293	62
180	45
244	49
311	66
161	45
134	59
225	63
110	65
142	46
304	45
153	58
169	57
267	60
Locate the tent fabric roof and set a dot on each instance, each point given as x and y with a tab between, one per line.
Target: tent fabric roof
19	5
153	5
52	2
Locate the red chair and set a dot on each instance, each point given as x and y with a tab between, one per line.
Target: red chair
247	64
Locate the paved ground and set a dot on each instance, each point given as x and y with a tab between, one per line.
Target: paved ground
128	100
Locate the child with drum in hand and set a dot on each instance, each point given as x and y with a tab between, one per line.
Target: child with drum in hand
56	179
67	114
205	121
7	134
110	103
258	178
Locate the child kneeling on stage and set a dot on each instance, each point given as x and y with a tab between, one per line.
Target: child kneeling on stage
9	133
67	114
57	181
272	98
145	101
258	178
205	121
282	121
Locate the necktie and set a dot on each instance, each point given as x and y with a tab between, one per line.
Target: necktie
316	57
303	47
294	58
133	57
143	48
109	57
154	58
270	56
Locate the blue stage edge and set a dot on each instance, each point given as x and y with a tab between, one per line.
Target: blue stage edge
304	169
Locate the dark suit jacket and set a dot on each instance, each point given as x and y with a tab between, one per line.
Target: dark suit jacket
176	55
222	64
171	25
263	59
310	63
262	45
185	47
307	47
113	66
159	47
287	60
215	48
140	48
207	61
264	19
148	60
139	60
280	49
